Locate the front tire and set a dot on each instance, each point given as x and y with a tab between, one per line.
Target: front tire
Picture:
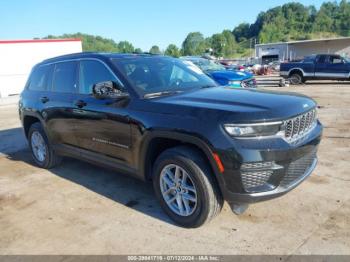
185	187
42	152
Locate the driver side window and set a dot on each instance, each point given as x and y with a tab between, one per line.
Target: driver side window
335	60
93	72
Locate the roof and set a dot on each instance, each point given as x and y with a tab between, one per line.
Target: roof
96	55
306	41
39	41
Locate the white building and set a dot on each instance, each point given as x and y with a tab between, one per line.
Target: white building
18	57
298	49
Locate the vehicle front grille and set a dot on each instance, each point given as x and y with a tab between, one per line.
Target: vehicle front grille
250	83
296	127
297	169
255	179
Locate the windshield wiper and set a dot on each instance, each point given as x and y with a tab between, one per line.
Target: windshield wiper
208	86
163	93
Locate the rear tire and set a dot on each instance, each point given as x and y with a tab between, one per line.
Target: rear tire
41	149
296	79
202	202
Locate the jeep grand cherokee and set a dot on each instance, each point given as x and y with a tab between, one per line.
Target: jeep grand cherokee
160	119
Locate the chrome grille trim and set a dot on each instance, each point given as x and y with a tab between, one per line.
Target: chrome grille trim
296	127
249	83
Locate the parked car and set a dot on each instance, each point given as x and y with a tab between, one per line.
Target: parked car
327	67
222	76
163	120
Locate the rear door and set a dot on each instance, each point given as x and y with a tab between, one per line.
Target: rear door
102	126
58	110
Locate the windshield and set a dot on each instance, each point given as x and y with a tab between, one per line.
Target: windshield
162	75
208	65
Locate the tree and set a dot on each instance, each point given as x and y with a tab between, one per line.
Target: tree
173	50
125	47
194	44
230	47
242	32
138	50
91	42
218	43
155	50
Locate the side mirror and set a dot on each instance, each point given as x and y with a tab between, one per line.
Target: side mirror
108	89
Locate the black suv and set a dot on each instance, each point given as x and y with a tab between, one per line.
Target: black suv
160	119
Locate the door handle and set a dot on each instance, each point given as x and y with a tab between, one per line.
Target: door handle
80	103
44	99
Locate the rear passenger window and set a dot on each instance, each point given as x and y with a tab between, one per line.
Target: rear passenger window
93	72
322	59
65	77
40	78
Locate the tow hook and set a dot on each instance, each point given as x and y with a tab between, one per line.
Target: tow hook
238	209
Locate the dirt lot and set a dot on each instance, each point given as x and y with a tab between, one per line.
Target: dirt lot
81	209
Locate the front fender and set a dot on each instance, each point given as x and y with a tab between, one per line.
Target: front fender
189	139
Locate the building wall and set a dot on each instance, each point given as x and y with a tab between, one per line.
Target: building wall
18	58
272	49
301	49
341	47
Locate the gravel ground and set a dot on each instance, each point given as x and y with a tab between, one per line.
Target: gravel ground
78	208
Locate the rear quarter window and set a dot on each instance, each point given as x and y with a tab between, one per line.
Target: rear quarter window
40	80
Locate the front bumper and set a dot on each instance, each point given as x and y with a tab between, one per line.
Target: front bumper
254	173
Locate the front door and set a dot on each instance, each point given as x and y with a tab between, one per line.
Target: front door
321	70
337	67
101	126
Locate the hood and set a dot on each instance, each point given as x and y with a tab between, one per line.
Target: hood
235	105
230	75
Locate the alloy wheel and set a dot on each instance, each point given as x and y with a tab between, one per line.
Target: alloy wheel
178	190
38	146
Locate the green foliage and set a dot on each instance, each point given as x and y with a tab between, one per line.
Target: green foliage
91	42
194	44
294	21
230	44
242	32
155	50
173	50
98	43
125	47
138	51
218	42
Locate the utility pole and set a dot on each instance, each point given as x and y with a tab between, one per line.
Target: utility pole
254	47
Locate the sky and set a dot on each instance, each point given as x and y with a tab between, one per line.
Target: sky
142	22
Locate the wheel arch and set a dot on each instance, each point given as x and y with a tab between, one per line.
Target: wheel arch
28	121
158	142
296	70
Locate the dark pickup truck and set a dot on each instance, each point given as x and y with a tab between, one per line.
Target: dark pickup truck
326	67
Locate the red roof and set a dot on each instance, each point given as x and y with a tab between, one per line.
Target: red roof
39	41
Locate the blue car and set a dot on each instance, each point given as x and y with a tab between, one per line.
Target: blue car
221	75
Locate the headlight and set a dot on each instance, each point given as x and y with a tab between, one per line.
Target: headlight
251	130
234	83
